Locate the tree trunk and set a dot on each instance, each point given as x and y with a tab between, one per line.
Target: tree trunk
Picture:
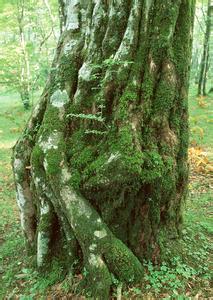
205	58
24	94
101	169
24	84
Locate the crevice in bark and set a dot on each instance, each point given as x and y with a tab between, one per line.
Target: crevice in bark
118	16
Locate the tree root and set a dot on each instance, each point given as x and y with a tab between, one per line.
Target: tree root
47	212
21	169
102	252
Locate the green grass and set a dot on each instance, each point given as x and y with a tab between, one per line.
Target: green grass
201	118
186	274
12	118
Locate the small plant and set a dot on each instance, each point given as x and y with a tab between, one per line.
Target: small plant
166	277
87	117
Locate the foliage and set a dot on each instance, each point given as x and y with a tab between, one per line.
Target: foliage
198	42
199	160
200	118
27	45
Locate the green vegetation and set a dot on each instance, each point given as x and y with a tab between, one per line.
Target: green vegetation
105	154
201	119
185	274
28	38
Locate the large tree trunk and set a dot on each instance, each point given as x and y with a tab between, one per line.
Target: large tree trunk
101	169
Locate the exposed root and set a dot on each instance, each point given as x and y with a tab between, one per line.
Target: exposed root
98	278
21	168
44	233
102	251
47	213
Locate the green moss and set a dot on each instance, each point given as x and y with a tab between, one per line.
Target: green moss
147	85
164	97
53	159
184	142
75	180
52	122
68	70
122	262
129	96
182	50
54	80
118	163
182	41
175	121
96	167
81	159
37	157
153	167
163	24
123	144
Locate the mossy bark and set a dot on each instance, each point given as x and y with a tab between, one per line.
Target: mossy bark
101	169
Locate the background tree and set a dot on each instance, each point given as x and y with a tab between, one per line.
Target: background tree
25	75
27	46
204	66
198	37
210	69
101	169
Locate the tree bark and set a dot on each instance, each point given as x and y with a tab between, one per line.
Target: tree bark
101	169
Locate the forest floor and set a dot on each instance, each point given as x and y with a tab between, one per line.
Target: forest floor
187	276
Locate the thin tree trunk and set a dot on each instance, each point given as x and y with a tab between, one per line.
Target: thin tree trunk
24	60
46	2
205	57
205	73
102	165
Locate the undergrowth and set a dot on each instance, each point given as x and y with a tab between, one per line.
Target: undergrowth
185	274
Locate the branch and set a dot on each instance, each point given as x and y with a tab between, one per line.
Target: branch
204	14
51	17
44	40
8	82
201	27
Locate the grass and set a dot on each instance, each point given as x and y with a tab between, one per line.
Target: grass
186	275
12	118
201	119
